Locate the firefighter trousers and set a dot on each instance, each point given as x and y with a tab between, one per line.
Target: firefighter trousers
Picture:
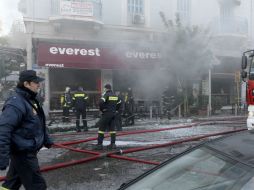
66	113
106	123
82	113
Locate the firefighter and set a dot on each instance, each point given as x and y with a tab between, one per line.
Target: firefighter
108	106
80	103
66	103
23	133
167	102
129	106
118	117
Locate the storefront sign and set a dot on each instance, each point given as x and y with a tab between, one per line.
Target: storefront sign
74	8
142	55
97	56
74	51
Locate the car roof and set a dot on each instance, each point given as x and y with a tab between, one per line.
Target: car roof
239	146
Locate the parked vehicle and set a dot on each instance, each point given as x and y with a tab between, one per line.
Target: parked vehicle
226	163
247	75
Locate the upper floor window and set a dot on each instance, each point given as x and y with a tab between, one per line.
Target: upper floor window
136	6
184	9
183	5
226	12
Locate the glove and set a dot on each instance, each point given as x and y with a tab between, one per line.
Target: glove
4	163
3	167
49	145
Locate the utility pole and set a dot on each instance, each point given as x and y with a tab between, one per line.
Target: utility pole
209	109
251	23
2	69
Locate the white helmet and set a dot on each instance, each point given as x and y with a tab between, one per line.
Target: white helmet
67	89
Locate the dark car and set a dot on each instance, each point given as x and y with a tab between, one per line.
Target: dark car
226	163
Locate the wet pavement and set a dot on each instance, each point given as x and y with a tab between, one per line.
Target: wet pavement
109	173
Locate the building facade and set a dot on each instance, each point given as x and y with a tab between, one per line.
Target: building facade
92	42
81	43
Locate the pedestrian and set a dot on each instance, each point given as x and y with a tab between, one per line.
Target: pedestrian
80	103
22	134
119	112
129	106
66	103
108	107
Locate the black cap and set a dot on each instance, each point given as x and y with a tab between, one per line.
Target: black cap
29	76
107	86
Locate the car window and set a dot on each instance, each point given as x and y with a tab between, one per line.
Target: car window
249	185
199	170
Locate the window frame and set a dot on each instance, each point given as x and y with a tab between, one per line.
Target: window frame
135	6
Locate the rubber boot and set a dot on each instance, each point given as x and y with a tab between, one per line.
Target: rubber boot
112	145
100	138
99	145
77	126
85	125
113	138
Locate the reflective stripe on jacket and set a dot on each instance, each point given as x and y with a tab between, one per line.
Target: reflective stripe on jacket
109	102
66	100
80	100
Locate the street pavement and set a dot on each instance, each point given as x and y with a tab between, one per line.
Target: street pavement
108	173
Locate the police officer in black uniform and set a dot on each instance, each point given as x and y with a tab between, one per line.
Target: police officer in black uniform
22	134
80	104
108	107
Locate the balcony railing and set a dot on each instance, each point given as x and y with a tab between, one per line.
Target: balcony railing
231	26
230	2
86	9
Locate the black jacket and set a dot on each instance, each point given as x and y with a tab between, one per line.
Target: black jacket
120	105
109	102
22	125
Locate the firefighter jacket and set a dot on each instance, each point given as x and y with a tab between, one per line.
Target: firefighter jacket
80	100
120	105
128	99
109	102
22	125
66	100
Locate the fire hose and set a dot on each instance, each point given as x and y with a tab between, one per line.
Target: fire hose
113	154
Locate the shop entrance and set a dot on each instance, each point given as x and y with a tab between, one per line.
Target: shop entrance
147	87
90	80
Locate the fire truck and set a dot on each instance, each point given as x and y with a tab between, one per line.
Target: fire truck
247	75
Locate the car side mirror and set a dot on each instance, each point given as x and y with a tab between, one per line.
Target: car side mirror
244	62
251	55
244	75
